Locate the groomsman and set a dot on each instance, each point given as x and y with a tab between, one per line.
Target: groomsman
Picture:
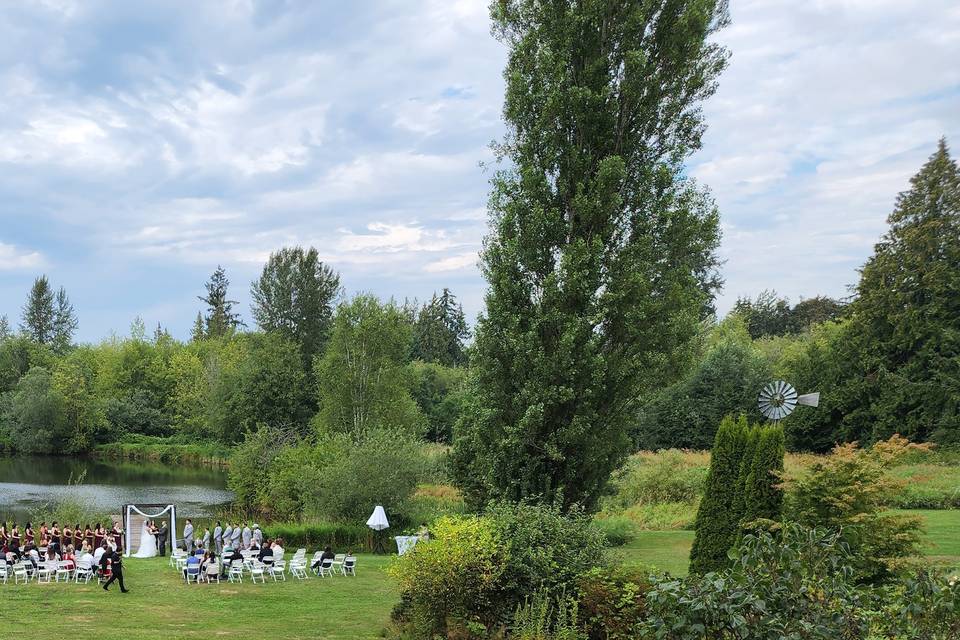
206	539
246	535
257	535
227	533
218	538
188	536
235	537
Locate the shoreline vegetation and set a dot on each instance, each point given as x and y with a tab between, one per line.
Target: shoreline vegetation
201	455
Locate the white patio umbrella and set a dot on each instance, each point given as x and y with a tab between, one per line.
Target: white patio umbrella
378	519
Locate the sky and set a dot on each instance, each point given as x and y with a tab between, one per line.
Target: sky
142	144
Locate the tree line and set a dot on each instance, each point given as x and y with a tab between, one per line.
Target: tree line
315	361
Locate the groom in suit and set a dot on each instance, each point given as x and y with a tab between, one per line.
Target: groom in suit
162	538
188	536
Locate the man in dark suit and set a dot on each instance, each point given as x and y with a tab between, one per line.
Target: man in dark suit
115	561
162	538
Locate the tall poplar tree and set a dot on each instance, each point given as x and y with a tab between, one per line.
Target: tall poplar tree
601	255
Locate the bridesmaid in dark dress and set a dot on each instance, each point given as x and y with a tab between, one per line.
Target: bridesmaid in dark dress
28	536
3	534
44	532
55	535
67	535
15	537
77	537
98	535
88	534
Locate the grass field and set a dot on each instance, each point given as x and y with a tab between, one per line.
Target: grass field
670	550
161	606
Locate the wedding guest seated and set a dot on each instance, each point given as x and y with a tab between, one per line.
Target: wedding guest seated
194	561
51	555
70	556
327	554
87	558
277	547
98	554
266	554
31	553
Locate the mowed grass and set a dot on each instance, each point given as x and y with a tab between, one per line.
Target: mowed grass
670	550
161	606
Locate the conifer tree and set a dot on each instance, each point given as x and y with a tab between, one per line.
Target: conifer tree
220	319
751	446
4	328
440	330
601	256
197	333
717	524
762	495
64	321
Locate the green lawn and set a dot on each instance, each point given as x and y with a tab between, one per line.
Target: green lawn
670	550
161	606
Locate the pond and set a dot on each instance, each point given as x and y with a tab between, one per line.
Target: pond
30	482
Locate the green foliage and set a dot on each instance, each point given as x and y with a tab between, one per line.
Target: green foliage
724	382
618	530
795	584
600	261
717	522
480	569
312	535
612	602
762	494
769	315
294	297
648	478
220	319
35	419
250	463
923	606
439	392
440	330
382	468
361	377
547	617
847	492
48	316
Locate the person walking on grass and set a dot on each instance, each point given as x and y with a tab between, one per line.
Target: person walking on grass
114	560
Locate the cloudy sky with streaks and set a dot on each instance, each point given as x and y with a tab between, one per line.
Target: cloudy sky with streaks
141	144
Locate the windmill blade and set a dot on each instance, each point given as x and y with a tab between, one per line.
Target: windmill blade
809	399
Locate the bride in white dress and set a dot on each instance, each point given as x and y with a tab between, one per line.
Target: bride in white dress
148	542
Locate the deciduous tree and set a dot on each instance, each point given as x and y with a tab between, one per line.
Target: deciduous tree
600	260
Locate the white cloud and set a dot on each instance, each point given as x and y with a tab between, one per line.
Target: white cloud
13	257
453	263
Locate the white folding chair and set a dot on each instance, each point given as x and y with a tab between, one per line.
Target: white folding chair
64	570
349	567
326	568
83	571
213	573
20	573
3	571
258	570
338	562
235	573
298	568
45	571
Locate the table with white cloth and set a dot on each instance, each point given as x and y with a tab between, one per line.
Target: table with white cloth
405	543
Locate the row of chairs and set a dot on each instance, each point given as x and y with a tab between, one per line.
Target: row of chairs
47	571
252	567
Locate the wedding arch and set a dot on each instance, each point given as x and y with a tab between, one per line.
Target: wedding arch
135	514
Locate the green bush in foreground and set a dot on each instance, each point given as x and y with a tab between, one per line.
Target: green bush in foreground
476	571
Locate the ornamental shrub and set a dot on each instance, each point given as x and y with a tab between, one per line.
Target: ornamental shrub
612	602
762	494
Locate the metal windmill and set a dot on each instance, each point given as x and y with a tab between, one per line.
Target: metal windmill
778	400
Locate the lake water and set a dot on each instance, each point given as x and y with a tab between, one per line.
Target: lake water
29	481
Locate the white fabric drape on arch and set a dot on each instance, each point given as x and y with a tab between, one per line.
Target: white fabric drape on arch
172	509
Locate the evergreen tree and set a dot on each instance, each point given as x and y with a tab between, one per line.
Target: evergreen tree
64	321
160	334
600	260
138	330
717	524
39	314
751	446
220	319
294	296
197	333
440	330
905	315
762	495
4	328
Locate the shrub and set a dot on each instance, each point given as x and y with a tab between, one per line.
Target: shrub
612	602
653	478
847	492
478	570
795	584
546	617
924	606
717	523
383	467
348	537
762	494
618	530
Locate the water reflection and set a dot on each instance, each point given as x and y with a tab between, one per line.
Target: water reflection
28	481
